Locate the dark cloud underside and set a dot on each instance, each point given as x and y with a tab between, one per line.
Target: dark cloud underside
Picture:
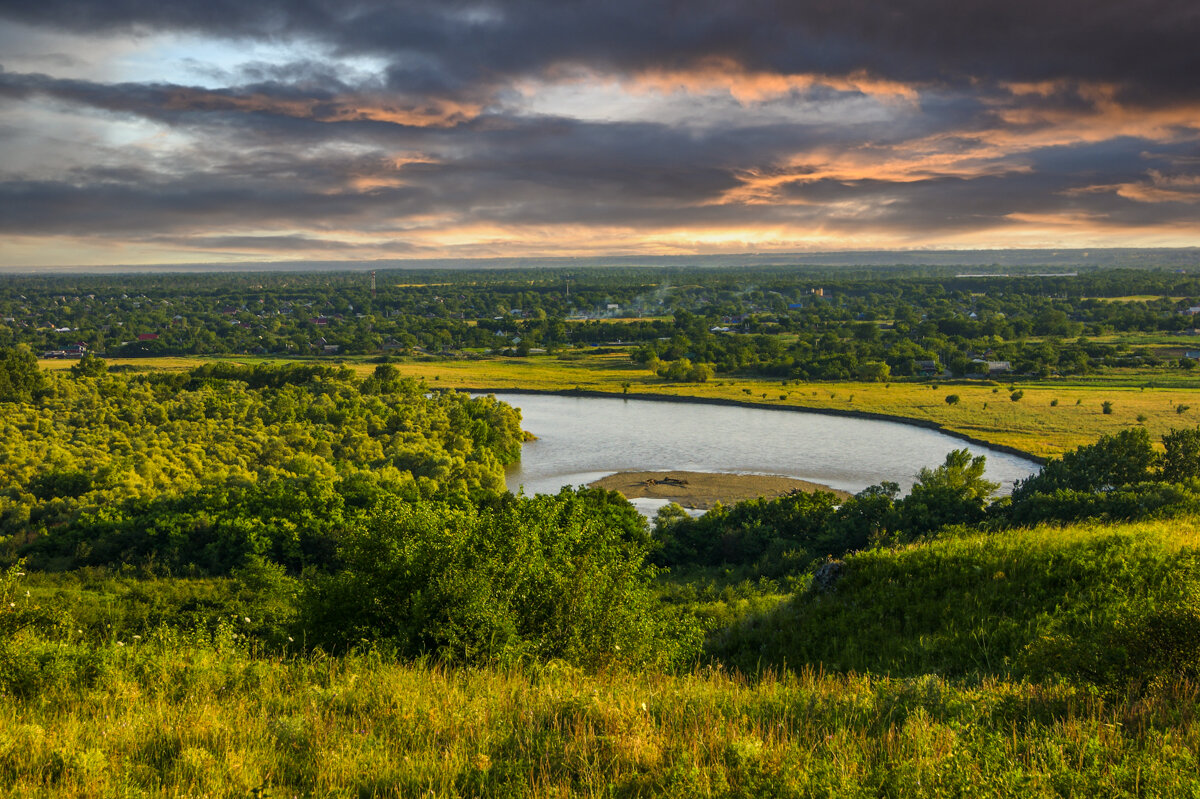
429	126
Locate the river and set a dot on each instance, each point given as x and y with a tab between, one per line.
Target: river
581	439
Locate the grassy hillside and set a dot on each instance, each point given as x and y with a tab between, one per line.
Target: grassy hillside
163	717
1100	604
960	666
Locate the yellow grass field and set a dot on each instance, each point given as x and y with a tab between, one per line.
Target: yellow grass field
984	412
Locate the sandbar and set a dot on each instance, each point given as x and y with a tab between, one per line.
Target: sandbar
701	490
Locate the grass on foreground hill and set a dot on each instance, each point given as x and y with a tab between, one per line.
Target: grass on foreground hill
164	717
213	713
1049	417
1111	606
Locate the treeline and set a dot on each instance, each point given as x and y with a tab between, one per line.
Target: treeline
1119	478
806	323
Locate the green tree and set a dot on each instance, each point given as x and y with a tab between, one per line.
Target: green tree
1120	459
20	377
954	493
89	366
525	578
1181	460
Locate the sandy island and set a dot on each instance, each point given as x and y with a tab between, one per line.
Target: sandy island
702	489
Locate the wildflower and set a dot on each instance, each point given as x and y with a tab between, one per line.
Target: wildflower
120	643
137	637
12	604
290	638
20	574
246	619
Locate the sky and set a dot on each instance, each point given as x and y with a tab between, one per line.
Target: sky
144	131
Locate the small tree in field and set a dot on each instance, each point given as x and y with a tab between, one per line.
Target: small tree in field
951	399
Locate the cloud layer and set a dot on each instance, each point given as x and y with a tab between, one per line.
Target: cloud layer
148	131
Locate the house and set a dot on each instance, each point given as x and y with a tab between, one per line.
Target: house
929	367
992	367
1192	354
147	337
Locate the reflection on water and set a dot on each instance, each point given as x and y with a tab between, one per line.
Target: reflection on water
581	439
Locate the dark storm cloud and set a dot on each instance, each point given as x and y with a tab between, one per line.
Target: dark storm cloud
1148	48
927	117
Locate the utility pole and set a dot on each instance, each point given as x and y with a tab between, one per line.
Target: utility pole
372	285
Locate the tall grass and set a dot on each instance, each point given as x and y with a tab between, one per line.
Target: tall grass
164	717
1106	605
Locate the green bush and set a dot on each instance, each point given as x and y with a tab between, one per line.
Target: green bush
1181	459
1120	459
529	578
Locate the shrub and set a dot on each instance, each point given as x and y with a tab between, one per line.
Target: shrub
1016	395
1106	407
1181	460
531	578
1120	459
951	399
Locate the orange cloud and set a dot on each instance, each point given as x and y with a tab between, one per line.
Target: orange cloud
1159	188
748	86
434	113
725	75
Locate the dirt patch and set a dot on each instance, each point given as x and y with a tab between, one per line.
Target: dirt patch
702	489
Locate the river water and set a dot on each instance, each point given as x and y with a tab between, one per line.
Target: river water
581	439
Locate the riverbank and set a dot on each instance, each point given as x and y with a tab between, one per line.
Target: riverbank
1033	418
927	424
702	490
